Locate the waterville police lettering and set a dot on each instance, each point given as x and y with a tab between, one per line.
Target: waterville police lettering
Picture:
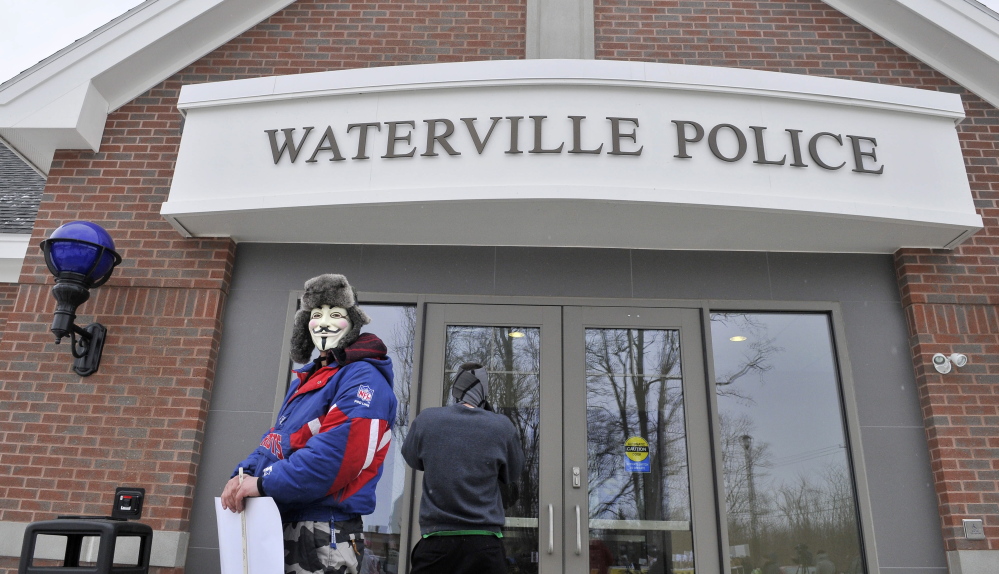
614	136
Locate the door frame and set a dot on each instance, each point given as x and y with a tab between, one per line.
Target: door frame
699	439
705	307
562	411
549	320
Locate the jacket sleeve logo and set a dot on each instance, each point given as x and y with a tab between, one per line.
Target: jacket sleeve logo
365	394
272	442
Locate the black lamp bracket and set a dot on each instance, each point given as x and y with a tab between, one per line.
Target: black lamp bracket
87	349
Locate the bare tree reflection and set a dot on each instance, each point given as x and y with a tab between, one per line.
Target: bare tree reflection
634	389
756	361
796	514
401	350
513	357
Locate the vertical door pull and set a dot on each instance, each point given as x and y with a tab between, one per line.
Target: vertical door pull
551	530
579	536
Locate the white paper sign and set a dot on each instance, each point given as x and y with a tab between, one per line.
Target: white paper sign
264	541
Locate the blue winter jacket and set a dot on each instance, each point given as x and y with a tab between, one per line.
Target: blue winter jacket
323	457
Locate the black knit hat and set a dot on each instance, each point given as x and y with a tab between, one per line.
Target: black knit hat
471	385
334	291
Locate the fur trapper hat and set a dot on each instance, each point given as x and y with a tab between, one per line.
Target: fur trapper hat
332	290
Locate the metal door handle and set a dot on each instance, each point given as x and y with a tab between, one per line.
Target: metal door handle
551	530
579	536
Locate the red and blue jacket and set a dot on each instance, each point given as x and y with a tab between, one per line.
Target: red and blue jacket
323	457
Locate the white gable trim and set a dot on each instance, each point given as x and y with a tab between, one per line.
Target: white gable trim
958	38
63	101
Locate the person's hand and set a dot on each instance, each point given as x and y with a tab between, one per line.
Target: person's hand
234	492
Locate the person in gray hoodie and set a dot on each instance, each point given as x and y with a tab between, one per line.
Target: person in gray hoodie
468	455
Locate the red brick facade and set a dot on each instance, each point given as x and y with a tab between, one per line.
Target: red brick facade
8	294
949	296
950	299
67	442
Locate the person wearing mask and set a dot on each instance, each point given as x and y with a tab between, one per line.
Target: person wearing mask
322	459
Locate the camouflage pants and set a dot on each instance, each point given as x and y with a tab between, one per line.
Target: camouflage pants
309	547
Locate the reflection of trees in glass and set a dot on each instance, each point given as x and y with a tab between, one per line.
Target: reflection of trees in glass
401	350
797	513
513	357
514	365
634	389
517	394
819	511
756	361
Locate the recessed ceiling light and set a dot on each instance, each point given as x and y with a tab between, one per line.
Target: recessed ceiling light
737	338
516	334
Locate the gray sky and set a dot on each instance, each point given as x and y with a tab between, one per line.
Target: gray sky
32	30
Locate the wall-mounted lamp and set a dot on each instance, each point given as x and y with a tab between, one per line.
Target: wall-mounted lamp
81	256
942	363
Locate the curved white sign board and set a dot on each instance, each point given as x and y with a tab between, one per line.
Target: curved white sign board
573	153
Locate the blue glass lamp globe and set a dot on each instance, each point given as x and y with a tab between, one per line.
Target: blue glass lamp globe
82	248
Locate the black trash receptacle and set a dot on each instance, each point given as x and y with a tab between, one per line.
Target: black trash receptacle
75	530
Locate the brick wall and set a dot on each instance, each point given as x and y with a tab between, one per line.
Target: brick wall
950	299
141	418
66	441
8	294
312	36
949	296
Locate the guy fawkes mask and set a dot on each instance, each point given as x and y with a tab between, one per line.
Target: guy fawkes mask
327	326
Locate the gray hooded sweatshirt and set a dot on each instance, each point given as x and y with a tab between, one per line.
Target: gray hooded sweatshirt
464	454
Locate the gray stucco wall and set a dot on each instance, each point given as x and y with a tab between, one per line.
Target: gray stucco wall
904	506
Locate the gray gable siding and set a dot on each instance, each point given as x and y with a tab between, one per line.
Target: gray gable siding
20	193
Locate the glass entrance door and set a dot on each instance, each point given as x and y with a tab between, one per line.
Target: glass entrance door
521	348
611	408
638	439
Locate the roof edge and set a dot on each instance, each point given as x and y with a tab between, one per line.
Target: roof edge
958	38
118	62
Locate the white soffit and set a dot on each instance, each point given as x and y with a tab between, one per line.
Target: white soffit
958	38
63	101
402	186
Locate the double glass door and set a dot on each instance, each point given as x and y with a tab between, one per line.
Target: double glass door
611	409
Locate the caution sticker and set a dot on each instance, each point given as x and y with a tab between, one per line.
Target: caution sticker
636	455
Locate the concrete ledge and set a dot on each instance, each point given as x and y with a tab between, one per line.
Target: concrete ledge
169	547
973	561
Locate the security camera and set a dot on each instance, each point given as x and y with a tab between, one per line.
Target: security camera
941	363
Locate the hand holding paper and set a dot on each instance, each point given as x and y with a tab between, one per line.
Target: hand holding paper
235	493
264	540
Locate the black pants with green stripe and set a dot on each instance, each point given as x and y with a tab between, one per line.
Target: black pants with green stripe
473	554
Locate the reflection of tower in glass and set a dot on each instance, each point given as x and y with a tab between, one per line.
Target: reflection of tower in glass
754	541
